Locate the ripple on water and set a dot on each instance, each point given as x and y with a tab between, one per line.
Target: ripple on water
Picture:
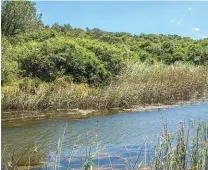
117	134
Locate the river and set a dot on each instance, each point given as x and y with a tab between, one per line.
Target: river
117	138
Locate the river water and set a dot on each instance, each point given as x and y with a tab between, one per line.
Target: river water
112	141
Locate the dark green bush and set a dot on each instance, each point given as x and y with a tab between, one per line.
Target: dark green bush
92	56
66	58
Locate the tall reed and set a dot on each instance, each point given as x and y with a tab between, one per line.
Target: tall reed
186	151
138	84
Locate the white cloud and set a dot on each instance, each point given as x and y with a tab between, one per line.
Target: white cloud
204	36
189	8
196	29
172	20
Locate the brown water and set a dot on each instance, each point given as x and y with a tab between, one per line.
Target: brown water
116	138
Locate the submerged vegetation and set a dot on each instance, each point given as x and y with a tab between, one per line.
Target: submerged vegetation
60	66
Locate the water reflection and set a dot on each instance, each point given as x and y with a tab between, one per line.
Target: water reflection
119	137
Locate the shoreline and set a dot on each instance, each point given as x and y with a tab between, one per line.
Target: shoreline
76	114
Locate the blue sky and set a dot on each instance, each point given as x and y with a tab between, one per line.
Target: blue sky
182	18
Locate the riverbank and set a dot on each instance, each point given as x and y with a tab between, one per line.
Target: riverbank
76	114
139	87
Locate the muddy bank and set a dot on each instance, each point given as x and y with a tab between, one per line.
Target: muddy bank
43	114
80	114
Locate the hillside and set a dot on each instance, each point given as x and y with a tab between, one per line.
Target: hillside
63	67
92	56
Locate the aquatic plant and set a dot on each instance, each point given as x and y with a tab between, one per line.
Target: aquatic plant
186	151
138	85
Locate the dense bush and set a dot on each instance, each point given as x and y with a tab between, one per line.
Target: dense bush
62	56
92	56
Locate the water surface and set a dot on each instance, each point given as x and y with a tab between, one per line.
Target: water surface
115	136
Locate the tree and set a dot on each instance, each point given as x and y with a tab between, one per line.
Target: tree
57	27
17	16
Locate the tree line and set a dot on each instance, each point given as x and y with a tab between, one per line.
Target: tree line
93	56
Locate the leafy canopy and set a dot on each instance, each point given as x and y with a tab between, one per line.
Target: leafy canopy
17	16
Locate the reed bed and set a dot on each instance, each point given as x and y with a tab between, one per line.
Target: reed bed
138	84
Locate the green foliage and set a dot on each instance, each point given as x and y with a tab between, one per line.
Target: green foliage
112	57
38	66
9	67
197	54
56	56
17	16
40	35
92	56
9	70
178	56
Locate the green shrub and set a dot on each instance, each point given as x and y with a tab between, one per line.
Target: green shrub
66	57
92	56
114	59
9	71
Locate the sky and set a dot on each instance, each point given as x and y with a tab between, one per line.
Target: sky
187	19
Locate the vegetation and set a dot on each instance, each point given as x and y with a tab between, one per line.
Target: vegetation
187	153
63	67
138	84
17	17
186	148
99	66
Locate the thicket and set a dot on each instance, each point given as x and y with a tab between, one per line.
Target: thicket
89	56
